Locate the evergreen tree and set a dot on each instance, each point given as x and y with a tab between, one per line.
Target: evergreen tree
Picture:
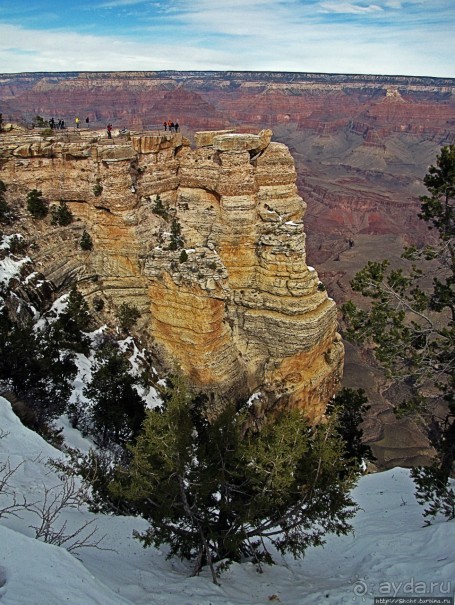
176	235
32	364
71	324
86	242
350	406
39	122
412	326
127	316
61	214
220	490
4	208
36	205
160	209
118	410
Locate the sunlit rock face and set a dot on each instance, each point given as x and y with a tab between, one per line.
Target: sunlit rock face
220	276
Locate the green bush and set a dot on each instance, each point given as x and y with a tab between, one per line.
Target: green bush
221	491
176	238
17	245
160	209
86	241
97	189
127	316
98	303
61	214
36	205
39	122
4	208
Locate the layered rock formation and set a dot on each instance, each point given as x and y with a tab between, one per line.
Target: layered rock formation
361	143
208	242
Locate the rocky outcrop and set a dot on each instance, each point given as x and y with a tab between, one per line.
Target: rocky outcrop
207	242
377	133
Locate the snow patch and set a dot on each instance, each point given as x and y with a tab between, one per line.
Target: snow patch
389	550
10	268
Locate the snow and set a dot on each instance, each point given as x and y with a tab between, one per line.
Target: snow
58	306
9	268
149	395
47	574
254	397
5	242
391	553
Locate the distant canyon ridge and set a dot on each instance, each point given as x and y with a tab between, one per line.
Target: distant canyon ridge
361	145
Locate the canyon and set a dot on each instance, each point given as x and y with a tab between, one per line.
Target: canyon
361	146
206	242
361	143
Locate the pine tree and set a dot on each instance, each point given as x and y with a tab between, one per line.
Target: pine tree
412	326
160	209
4	208
32	364
350	406
86	242
61	214
71	324
36	205
219	490
118	411
127	316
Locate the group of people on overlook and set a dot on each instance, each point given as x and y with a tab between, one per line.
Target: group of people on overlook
60	125
171	126
168	125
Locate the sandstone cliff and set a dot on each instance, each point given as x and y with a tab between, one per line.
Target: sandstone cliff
363	140
230	299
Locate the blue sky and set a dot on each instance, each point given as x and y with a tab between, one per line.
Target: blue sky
396	37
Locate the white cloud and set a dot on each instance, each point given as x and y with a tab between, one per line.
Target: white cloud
349	8
60	51
290	35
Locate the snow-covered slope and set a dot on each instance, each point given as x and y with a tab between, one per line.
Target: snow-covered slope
390	553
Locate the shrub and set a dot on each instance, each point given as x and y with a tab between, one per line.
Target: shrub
86	241
17	245
118	411
4	208
61	214
97	189
36	205
98	303
221	491
176	238
68	330
127	316
160	209
39	122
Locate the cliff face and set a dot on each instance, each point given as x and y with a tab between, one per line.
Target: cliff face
219	272
364	140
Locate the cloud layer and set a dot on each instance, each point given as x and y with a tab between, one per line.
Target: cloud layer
407	37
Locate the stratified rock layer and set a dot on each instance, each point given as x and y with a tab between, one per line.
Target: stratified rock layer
220	275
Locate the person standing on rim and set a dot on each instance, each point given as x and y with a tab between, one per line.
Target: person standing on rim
87	121
77	122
